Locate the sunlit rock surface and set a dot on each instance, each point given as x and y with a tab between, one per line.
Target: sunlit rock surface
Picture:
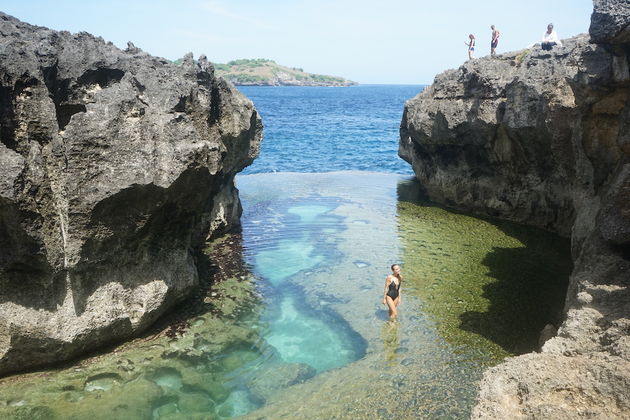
541	137
114	166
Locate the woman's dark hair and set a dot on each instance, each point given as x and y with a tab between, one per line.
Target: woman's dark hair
393	265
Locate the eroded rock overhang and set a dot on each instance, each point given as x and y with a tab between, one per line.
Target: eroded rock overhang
114	167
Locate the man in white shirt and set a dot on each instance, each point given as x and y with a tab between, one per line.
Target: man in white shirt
550	38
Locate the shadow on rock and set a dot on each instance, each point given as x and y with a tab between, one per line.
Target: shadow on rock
527	295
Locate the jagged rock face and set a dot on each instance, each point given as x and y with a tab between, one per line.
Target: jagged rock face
504	137
609	22
543	138
114	166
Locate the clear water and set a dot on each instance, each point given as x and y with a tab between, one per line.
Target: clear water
314	129
296	327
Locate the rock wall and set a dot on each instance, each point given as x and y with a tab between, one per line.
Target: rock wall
114	166
543	138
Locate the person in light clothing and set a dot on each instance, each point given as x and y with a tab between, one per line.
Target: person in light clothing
550	38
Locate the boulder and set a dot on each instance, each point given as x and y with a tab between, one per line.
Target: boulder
114	167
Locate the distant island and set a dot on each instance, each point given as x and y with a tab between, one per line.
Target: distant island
264	72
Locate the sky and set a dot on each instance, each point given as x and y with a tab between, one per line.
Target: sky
367	41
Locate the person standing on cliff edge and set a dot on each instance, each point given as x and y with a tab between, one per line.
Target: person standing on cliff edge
550	39
471	46
495	41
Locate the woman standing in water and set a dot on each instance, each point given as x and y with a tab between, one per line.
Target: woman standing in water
391	294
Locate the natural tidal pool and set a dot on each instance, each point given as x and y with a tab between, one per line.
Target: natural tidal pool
295	326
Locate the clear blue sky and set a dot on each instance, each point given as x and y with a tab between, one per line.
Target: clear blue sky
385	41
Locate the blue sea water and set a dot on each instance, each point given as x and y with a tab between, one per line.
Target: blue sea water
315	129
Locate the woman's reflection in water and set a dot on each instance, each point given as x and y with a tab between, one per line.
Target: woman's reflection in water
391	341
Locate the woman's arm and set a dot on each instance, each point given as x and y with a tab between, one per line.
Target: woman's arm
387	281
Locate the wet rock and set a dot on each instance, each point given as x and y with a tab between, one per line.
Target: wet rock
165	410
167	378
130	401
196	402
278	377
237	404
114	165
102	382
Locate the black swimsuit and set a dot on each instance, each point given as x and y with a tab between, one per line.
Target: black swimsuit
392	292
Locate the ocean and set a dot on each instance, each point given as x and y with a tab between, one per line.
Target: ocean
315	129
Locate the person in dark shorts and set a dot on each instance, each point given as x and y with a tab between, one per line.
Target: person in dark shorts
471	46
391	294
495	41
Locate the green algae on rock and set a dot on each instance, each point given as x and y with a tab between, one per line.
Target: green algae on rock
186	375
486	284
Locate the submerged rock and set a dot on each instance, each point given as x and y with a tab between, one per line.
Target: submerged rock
274	378
114	166
541	137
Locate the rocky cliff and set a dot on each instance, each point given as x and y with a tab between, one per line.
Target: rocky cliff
114	166
543	138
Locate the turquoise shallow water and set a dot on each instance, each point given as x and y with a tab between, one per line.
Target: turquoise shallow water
296	327
334	237
314	341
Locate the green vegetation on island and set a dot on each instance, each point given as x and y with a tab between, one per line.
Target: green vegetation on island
264	72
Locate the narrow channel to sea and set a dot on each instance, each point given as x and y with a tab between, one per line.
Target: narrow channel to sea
296	327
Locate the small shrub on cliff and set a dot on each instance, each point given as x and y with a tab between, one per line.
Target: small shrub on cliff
519	58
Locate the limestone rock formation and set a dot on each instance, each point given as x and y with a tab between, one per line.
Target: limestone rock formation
609	22
542	138
114	166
